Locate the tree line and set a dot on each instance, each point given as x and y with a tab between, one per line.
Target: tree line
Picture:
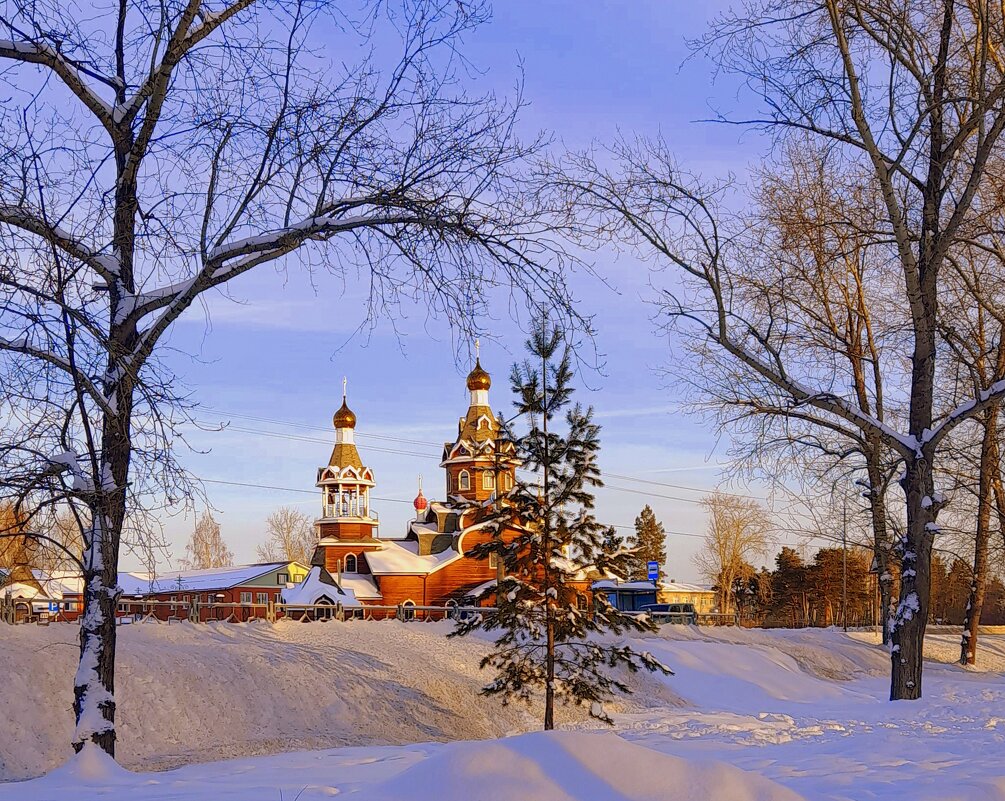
837	587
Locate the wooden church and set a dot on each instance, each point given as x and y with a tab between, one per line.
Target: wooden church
429	565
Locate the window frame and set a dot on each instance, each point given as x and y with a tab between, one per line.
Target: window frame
464	480
355	563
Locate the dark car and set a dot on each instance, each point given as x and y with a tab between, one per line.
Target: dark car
672	613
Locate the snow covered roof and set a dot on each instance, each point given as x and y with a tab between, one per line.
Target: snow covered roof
403	557
680	586
614	584
217	578
314	587
59	583
17	589
50	585
359	585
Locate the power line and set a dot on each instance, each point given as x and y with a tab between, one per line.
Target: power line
400	500
438	445
299	438
377	498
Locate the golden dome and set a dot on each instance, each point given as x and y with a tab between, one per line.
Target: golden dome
344	417
478	378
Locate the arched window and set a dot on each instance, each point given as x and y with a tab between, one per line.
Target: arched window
350	563
488	480
408	610
463	480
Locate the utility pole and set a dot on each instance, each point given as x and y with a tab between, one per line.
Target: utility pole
844	564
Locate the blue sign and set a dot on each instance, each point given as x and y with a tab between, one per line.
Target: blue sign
53	606
654	571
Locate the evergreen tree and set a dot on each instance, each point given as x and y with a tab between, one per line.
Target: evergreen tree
548	541
611	542
649	544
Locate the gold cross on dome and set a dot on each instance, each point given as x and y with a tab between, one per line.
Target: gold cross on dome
345	384
478	349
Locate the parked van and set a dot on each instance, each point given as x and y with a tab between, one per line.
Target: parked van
672	613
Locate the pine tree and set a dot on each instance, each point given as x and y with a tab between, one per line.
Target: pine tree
649	544
548	541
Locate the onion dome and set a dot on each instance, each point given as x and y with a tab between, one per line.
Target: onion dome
420	503
344	417
478	378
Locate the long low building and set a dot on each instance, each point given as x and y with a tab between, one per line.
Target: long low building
175	593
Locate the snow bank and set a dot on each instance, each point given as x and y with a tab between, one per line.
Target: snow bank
567	766
191	693
807	710
554	766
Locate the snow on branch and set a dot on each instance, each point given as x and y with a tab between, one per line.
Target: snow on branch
995	392
18	217
45	55
24	347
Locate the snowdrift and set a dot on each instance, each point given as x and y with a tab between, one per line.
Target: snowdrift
567	766
802	710
199	693
553	766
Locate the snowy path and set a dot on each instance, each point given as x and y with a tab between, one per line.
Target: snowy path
803	710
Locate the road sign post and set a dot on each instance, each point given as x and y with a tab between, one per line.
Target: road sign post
654	571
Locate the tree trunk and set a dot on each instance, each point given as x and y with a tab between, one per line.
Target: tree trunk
94	683
978	585
880	539
911	617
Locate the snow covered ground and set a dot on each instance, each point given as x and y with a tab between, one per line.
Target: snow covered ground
758	715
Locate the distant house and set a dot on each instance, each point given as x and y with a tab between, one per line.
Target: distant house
31	593
675	592
628	596
171	594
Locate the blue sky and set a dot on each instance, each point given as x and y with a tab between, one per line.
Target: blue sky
274	353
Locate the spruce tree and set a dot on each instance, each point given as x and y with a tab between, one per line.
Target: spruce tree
611	542
548	543
649	544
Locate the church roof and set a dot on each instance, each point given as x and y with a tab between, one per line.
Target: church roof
344	454
474	429
403	558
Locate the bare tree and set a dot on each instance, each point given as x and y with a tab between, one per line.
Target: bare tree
911	97
205	548
153	153
738	532
828	278
289	537
973	327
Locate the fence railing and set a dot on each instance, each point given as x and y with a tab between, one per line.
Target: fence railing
138	610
